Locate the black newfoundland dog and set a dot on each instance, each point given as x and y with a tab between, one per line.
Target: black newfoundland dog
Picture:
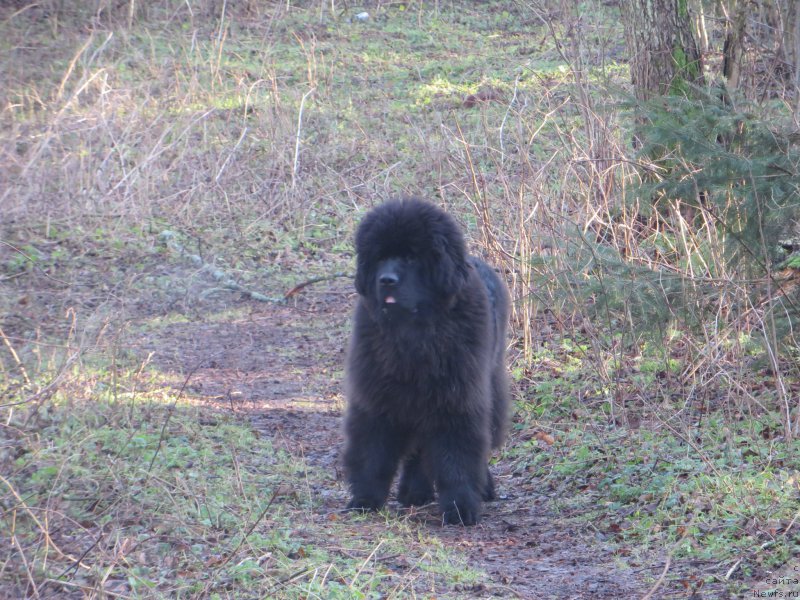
426	375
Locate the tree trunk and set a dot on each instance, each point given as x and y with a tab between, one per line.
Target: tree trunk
664	55
791	46
732	51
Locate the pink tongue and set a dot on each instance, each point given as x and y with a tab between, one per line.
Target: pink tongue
390	300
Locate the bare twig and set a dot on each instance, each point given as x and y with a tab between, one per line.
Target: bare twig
45	532
28	572
172	406
659	582
297	137
252	527
13	352
300	286
365	563
89	590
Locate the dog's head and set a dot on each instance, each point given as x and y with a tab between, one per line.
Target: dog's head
410	255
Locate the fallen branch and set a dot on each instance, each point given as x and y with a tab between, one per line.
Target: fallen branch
300	286
226	281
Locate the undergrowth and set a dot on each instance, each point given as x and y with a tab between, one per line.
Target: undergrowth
714	489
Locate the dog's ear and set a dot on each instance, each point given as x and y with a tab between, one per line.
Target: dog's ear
449	264
364	242
362	275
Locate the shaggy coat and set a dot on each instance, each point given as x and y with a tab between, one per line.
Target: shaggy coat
426	376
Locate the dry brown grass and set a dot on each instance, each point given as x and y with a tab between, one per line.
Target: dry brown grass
132	127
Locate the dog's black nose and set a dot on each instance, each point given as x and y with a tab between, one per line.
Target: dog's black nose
388	279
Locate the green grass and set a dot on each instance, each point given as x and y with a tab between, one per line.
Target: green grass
155	496
712	490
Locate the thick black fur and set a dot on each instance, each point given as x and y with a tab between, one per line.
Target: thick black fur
426	375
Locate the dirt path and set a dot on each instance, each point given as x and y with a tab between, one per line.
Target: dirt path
282	366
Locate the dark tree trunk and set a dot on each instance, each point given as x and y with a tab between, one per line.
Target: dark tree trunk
664	55
790	29
732	51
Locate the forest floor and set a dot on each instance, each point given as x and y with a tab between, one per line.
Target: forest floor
259	385
281	367
164	433
278	369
